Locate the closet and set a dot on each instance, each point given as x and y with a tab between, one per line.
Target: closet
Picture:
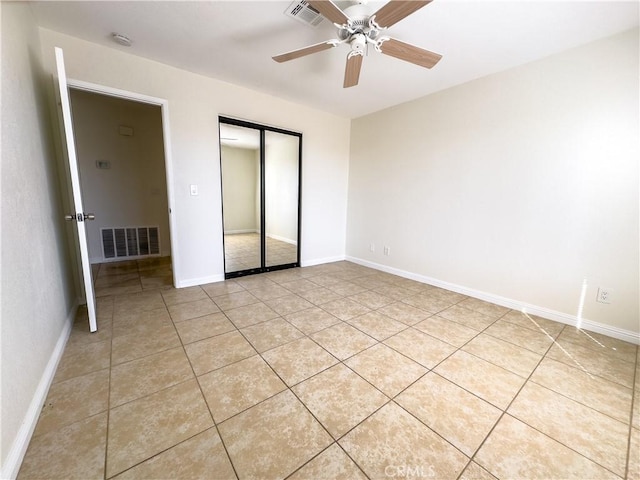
260	170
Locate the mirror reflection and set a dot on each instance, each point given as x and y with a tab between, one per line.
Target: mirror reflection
240	163
260	169
281	198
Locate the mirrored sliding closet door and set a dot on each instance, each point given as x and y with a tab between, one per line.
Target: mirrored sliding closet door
260	168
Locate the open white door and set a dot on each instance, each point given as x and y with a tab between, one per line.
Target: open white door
78	216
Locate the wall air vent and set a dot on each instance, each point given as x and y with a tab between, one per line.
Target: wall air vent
305	13
127	242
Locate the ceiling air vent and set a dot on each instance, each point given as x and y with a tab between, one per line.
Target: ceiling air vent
305	13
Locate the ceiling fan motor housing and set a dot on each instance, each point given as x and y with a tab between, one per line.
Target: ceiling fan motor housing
359	24
359	14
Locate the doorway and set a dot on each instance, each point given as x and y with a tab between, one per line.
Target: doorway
261	171
121	164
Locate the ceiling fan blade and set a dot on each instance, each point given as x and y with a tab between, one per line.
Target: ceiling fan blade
409	53
329	10
301	52
352	70
396	10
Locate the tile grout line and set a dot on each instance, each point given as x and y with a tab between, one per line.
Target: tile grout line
432	370
166	388
454	383
290	389
504	412
334	439
558	345
533	427
577	344
391	399
368	288
579	401
634	398
110	382
106	440
195	377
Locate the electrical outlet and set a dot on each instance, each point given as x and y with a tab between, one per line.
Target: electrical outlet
387	250
604	295
372	247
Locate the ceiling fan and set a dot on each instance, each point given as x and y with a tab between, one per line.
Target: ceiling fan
359	27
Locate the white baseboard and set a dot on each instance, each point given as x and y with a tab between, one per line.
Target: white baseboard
12	463
94	260
282	239
320	261
192	282
236	232
608	330
615	332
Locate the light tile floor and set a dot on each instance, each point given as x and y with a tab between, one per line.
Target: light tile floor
132	276
334	371
242	252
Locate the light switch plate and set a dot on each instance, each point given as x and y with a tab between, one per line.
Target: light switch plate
194	190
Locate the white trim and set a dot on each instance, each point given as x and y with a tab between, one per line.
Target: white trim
114	92
320	261
99	260
12	463
201	281
615	332
282	239
237	232
168	159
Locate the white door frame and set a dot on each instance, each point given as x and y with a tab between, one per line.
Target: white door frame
168	164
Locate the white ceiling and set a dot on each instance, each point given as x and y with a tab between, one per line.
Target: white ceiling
234	41
239	137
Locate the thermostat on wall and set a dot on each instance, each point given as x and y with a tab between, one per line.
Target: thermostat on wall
103	164
126	131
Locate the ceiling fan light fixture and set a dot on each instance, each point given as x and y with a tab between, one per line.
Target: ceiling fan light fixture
343	33
121	39
358	43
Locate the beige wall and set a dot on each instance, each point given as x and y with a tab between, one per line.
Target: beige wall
38	295
133	192
240	188
519	185
195	102
281	186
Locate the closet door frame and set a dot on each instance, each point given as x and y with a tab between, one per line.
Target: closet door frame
263	250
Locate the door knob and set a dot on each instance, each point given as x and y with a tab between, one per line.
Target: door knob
80	217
